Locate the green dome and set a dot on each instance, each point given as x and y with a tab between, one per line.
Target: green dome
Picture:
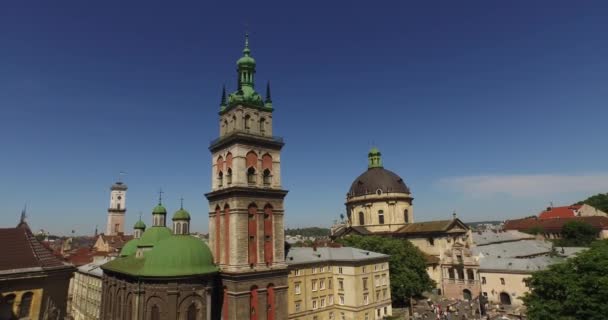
139	225
129	248
246	60
179	255
153	235
181	214
159	209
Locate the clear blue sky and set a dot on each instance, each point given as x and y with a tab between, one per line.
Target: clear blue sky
489	108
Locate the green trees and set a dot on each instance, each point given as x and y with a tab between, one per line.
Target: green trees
574	289
577	234
407	266
599	201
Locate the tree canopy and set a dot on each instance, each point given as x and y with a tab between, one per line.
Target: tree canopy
574	289
407	265
308	232
598	201
577	234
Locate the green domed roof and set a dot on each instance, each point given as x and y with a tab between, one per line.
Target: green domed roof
129	248
153	235
159	209
179	255
139	225
246	60
181	214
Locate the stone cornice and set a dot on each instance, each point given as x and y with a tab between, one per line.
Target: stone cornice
275	143
246	192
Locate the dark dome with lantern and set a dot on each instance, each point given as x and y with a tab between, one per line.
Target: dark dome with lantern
377	178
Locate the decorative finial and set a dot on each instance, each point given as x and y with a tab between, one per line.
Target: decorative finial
181	206
246	51
120	174
268	98
160	196
140	216
223	102
23	214
454	214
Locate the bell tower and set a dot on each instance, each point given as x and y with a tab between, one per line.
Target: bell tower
246	228
117	210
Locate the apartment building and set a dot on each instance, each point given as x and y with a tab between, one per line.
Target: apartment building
338	284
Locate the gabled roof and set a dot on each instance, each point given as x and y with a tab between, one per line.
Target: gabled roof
116	242
439	226
22	252
559	212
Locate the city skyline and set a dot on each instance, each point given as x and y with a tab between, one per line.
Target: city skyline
493	118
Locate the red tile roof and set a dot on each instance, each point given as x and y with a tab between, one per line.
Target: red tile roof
21	250
559	212
554	225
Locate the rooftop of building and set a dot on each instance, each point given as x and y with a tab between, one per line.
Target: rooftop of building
94	268
486	237
554	225
329	254
559	212
514	249
518	265
22	252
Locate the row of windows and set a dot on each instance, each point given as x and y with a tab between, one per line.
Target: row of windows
248	124
406	217
251	163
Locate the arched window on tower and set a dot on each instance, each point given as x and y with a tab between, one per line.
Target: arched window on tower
262	125
252	164
268	235
253	303
154	313
381	216
247	122
229	168
271	298
229	176
218	233
406	216
267	177
26	303
192	312
251	175
227	234
252	233
361	219
220	179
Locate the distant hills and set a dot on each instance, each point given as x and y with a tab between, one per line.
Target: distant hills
308	232
598	201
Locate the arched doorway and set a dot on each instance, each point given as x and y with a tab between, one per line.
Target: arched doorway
505	298
466	294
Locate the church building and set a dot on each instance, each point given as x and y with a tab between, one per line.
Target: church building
380	203
168	274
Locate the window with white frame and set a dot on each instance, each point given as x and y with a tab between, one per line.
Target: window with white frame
341	299
296	288
365	299
314	284
322	284
314	304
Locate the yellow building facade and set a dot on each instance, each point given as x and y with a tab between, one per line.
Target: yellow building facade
338	283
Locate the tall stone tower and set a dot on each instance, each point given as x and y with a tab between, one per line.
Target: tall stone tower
117	210
246	228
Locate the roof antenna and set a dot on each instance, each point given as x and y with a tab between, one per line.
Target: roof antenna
23	214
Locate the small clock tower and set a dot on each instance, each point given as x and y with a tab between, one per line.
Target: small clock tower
117	210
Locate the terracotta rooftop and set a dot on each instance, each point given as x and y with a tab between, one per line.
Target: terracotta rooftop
554	225
22	252
559	212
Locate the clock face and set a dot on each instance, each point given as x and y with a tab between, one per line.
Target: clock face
119	198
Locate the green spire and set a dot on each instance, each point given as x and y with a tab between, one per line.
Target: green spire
375	158
268	100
